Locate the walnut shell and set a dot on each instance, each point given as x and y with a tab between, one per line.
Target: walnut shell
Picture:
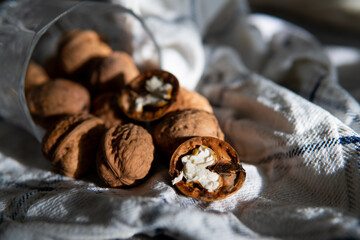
125	155
35	75
227	166
105	107
191	99
74	153
136	89
59	130
58	97
77	47
176	127
112	73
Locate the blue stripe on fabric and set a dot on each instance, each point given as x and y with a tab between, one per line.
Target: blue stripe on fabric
342	141
348	140
17	204
298	151
27	186
316	87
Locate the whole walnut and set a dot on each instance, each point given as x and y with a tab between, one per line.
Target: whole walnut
191	99
57	97
125	155
178	126
58	130
77	47
111	73
71	144
35	75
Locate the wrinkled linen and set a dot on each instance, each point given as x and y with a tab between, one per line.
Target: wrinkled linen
277	95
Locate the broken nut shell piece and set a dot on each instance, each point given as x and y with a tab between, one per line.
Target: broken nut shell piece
149	96
206	168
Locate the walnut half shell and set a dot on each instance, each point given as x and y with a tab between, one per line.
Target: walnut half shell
149	96
226	165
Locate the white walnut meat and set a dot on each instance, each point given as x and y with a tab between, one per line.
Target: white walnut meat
125	155
209	175
150	96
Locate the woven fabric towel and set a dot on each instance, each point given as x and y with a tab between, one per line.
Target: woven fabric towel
275	90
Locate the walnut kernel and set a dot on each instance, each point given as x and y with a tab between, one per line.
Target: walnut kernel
149	96
217	173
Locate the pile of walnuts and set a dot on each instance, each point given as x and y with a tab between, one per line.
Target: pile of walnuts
101	113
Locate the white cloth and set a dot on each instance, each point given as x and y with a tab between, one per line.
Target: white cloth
276	93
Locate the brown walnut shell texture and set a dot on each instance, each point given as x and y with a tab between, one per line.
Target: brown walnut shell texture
58	97
136	88
227	165
189	99
125	155
35	75
77	47
178	126
74	153
111	73
59	130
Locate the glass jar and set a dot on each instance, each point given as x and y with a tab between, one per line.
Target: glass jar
31	29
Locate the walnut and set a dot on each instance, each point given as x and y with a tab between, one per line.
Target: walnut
125	155
58	130
71	145
207	169
57	97
178	126
35	75
149	96
77	47
191	99
105	107
111	73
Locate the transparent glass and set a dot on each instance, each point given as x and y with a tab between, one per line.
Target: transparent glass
30	29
